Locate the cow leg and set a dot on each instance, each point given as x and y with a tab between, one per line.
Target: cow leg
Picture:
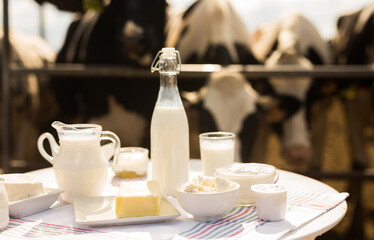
246	145
318	126
358	111
296	141
258	153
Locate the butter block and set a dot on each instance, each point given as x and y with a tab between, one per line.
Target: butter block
138	199
20	186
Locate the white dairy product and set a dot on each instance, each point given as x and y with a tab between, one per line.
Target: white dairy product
20	186
205	184
247	174
215	155
271	201
4	206
248	170
138	199
82	170
132	162
80	163
268	189
169	126
81	182
169	148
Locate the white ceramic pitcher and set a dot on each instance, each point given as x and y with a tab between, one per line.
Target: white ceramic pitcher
80	163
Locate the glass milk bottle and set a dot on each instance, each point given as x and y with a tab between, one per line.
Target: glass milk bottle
169	126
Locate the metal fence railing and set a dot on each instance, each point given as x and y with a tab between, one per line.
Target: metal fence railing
196	71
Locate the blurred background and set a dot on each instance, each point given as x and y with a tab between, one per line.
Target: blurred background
316	124
46	20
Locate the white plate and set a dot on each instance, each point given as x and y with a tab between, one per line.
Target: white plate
100	211
34	204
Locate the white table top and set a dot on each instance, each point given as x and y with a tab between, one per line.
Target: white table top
64	215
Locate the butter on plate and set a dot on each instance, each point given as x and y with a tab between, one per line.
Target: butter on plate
138	199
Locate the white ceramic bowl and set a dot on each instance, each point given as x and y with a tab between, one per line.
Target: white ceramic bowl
208	206
248	174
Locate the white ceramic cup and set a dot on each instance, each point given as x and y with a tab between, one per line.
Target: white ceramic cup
4	206
216	149
132	162
271	201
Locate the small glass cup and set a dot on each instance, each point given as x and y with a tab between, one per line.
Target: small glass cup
132	162
216	149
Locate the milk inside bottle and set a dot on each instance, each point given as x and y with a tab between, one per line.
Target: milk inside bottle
169	126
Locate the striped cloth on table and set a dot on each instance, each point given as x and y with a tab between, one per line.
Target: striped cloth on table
238	220
23	228
59	203
241	222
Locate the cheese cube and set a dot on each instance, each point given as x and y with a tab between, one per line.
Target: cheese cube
20	186
138	199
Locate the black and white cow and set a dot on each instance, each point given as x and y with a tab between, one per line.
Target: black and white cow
31	103
209	32
212	32
293	40
229	103
354	45
126	32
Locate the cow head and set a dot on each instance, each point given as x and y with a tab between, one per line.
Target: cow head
210	32
293	40
229	103
354	41
139	28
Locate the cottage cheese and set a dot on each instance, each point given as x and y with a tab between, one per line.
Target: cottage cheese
207	184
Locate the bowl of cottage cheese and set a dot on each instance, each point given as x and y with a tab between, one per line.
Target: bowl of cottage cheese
207	198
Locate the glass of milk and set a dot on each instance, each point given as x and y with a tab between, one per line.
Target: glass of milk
132	162
216	150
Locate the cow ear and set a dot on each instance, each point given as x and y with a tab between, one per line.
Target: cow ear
272	49
340	21
190	9
313	56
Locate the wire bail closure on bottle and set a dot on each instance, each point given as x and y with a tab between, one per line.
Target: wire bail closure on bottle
168	51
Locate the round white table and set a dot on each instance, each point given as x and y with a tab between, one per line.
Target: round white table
64	215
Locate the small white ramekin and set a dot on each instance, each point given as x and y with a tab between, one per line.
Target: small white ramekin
271	201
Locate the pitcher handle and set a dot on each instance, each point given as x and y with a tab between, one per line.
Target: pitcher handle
108	135
54	147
